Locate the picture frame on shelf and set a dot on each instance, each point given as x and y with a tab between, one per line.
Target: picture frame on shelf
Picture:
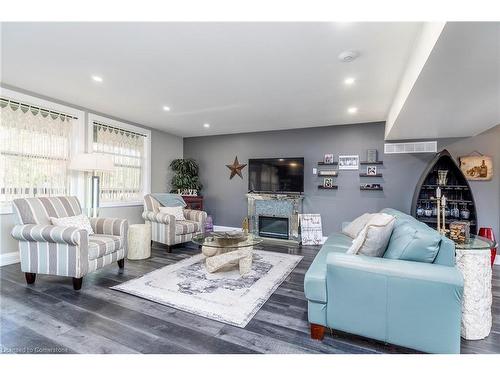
349	162
328	173
371	156
371	171
328	159
328	182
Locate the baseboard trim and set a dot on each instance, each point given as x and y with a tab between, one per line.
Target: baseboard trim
9	258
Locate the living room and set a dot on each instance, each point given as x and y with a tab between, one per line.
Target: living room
250	187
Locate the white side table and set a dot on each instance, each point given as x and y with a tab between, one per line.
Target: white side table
474	261
139	241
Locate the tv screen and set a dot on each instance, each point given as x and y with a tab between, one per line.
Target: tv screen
284	175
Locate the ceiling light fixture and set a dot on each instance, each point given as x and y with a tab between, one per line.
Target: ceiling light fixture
349	81
206	125
352	110
166	108
348	56
97	79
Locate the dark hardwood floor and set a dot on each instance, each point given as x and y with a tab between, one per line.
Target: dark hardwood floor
50	317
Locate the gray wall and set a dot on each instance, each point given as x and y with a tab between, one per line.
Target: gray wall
164	148
225	199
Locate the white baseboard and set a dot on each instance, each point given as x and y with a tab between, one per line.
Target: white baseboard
9	258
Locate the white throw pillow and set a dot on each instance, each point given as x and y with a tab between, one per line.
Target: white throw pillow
177	211
356	226
78	221
373	239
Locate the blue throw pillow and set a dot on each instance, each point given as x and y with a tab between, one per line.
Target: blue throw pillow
414	244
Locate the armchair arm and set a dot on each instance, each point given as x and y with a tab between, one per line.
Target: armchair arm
195	215
158	217
50	233
105	225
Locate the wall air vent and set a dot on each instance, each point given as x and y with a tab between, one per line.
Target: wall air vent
410	147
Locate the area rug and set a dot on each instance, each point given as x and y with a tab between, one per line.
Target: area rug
223	296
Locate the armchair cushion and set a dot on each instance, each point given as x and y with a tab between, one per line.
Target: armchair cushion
49	233
177	212
187	226
103	244
78	221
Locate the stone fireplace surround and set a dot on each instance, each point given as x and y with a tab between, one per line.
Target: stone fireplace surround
287	206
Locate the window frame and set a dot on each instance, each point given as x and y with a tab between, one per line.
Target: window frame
146	179
77	139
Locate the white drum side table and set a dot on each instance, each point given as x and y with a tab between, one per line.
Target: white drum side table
474	261
139	241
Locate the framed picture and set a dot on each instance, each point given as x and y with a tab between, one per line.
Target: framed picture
477	168
328	182
328	159
349	162
328	173
371	171
371	155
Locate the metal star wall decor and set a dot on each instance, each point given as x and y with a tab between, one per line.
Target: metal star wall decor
236	168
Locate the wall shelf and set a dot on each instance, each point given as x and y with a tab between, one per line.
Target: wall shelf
378	162
323	163
370	175
366	188
334	187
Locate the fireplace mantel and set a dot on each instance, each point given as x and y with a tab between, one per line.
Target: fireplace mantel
275	205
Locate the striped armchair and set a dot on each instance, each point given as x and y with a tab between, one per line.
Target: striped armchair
165	229
65	251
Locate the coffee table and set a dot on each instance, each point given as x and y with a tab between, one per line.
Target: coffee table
474	261
225	250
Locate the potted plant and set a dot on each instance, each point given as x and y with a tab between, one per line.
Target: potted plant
185	176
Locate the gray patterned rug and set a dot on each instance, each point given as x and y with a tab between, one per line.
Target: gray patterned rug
223	296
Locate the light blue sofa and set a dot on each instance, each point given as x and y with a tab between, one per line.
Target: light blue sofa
411	304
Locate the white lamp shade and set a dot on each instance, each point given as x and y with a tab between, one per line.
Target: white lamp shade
92	162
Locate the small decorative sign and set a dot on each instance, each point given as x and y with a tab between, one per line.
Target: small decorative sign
349	162
310	229
477	168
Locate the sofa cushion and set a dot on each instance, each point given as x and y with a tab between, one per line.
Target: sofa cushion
315	278
186	226
412	243
356	226
103	244
373	239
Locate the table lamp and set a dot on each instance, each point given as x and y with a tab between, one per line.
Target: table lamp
93	162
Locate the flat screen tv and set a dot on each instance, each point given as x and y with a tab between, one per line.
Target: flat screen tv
283	175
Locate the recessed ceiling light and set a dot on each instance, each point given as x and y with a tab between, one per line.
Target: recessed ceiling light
352	110
349	81
166	108
206	125
97	78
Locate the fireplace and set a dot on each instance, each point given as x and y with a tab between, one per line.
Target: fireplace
273	227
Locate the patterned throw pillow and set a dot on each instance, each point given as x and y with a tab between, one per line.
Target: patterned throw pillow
177	211
78	221
357	225
373	239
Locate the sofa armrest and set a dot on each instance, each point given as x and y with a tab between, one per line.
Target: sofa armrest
113	226
158	217
195	215
50	233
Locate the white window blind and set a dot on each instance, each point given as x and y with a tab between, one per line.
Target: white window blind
125	183
34	151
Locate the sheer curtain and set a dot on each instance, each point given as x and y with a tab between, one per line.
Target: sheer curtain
34	151
124	184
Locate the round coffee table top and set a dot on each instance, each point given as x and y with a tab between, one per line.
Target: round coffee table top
476	243
226	239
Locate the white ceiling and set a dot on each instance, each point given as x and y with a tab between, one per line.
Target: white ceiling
239	77
457	93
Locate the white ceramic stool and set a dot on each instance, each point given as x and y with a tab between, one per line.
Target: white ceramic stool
139	241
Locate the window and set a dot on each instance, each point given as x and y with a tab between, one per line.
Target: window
34	151
129	146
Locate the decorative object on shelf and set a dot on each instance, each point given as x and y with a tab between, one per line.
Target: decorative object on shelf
349	162
488	233
442	177
93	163
185	177
187	192
477	167
371	171
371	187
311	230
328	182
460	231
371	156
236	168
193	202
328	173
328	159
457	191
